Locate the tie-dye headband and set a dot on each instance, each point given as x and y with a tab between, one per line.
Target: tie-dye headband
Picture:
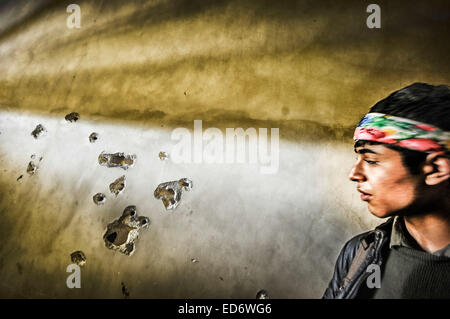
384	128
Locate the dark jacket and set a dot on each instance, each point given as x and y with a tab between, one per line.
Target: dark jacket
350	275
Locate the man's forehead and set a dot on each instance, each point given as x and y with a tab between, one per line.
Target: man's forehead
369	148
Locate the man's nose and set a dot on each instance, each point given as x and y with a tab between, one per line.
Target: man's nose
356	173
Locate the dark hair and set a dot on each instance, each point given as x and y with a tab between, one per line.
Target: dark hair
419	102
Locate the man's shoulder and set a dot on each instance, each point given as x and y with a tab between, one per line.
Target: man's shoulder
348	253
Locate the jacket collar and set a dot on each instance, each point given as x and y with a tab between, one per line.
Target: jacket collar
381	231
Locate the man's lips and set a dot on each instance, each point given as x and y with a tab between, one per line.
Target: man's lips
364	196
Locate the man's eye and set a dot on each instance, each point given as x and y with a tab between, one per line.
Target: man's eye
371	162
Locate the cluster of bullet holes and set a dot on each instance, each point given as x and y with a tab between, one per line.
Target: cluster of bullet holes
122	233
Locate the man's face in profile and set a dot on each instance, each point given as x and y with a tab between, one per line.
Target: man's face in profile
383	180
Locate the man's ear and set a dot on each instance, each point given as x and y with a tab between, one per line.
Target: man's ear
436	168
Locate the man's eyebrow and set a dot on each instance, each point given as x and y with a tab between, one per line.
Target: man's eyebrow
364	151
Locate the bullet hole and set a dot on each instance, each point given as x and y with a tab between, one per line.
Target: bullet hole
185	183
221	278
122	233
129	246
78	257
117	160
99	199
262	294
125	291
130	211
118	185
72	117
194	261
38	131
112	237
32	168
93	137
170	192
19	178
33	156
144	221
163	156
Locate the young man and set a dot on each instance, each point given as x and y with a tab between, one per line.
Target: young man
403	173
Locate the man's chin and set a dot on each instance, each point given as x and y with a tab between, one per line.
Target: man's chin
380	213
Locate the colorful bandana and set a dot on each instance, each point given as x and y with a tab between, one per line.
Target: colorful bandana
384	128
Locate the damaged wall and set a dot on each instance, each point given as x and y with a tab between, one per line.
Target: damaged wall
135	72
235	232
